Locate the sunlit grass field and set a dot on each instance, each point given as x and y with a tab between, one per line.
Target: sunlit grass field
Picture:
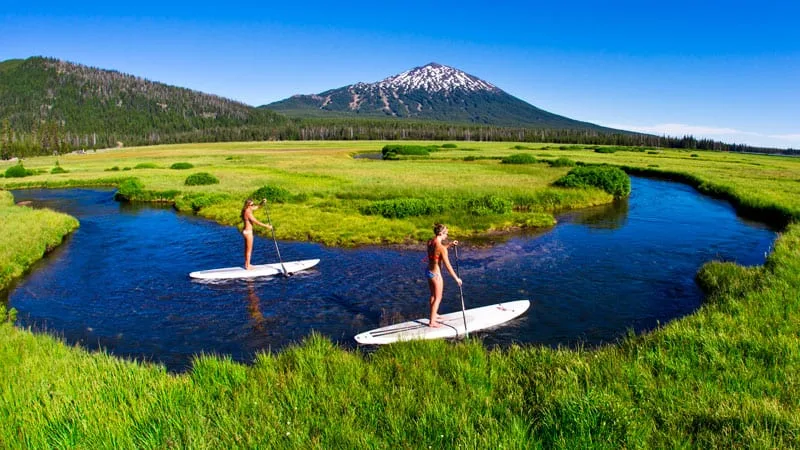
728	376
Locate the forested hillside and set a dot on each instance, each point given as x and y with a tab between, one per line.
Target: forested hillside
50	105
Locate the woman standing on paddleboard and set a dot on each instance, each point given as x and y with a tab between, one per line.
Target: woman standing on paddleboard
247	230
437	254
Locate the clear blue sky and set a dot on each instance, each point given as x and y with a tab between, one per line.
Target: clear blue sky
724	70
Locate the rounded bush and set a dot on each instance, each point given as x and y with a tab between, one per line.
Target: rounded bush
449	146
200	179
272	193
57	169
147	165
18	171
129	189
519	158
561	162
610	179
181	166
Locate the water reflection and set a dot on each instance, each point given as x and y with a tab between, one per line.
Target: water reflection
610	217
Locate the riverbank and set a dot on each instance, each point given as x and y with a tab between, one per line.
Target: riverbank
26	235
725	376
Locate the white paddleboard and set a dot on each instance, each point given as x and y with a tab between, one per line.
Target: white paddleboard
264	270
452	324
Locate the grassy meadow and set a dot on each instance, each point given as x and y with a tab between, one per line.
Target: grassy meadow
726	376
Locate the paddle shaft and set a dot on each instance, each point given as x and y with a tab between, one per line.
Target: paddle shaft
461	291
269	221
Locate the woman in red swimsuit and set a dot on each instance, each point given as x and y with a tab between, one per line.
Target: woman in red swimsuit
437	254
247	230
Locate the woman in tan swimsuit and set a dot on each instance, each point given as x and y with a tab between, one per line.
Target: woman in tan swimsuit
247	230
437	254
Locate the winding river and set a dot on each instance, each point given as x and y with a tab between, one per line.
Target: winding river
120	282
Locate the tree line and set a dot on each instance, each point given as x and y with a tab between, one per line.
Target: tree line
50	137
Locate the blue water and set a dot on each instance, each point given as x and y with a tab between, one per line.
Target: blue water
120	282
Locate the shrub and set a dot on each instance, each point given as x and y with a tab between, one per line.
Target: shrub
113	169
181	166
199	200
695	155
58	169
652	152
200	179
561	162
490	204
129	189
610	179
449	146
519	158
274	194
521	147
404	207
18	171
605	150
391	151
147	165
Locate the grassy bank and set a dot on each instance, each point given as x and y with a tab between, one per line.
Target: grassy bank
26	235
726	376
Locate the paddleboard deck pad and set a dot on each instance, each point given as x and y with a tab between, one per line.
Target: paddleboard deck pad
265	270
452	324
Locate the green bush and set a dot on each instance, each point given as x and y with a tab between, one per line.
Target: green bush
129	189
561	162
610	179
199	200
521	147
274	194
519	158
392	151
18	171
490	204
449	146
58	169
695	155
404	207
113	169
147	165
181	166
605	150
200	179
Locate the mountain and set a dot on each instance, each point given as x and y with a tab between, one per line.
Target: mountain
433	92
37	93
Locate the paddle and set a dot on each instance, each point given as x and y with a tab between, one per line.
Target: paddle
269	221
461	291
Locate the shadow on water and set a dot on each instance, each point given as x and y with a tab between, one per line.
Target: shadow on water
120	282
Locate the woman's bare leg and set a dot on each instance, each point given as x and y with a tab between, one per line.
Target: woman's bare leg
248	250
437	287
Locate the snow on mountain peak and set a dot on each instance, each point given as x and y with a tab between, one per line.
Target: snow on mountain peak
435	77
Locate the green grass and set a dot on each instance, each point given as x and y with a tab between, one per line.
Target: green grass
727	376
26	235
